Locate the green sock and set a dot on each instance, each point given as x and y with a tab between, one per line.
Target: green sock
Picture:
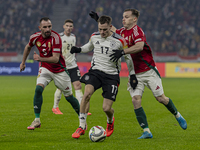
171	107
37	115
74	102
37	102
141	117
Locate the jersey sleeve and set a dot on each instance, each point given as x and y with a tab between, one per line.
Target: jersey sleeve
87	47
57	44
138	35
32	41
129	63
74	40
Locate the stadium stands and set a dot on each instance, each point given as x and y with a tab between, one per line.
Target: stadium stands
170	26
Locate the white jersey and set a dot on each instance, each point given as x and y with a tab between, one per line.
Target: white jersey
67	43
103	49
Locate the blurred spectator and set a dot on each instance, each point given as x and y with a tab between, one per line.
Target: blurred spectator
18	19
168	25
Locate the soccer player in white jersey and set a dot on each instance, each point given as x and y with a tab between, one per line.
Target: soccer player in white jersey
69	40
145	69
103	73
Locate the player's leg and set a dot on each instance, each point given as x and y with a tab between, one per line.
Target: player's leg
63	82
138	109
92	83
107	108
89	90
75	76
155	84
79	93
57	97
44	77
110	85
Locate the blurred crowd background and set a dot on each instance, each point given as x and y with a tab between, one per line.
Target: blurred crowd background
171	26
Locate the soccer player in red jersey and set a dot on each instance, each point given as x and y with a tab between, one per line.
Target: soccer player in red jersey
49	45
145	69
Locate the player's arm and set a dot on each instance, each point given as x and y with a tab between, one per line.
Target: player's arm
84	49
27	50
138	47
52	59
133	80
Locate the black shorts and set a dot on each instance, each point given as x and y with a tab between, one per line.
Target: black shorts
74	74
98	79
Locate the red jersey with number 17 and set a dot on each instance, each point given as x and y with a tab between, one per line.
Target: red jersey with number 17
46	47
142	60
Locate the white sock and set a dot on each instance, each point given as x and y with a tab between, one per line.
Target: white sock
82	120
57	97
177	115
110	120
147	129
37	119
79	95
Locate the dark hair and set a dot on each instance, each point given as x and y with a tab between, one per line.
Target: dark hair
135	12
105	19
44	18
69	20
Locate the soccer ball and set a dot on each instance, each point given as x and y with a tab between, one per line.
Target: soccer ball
97	134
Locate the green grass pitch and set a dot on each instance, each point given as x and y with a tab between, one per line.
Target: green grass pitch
16	113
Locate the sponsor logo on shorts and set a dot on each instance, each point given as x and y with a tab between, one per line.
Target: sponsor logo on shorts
157	87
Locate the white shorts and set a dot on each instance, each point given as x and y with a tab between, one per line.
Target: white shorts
61	80
151	80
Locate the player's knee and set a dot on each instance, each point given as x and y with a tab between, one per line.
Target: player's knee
87	96
106	108
162	99
77	85
38	90
136	100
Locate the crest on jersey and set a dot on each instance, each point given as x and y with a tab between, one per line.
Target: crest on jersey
87	77
112	44
49	44
38	44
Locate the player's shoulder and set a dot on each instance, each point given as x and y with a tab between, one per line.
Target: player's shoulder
72	34
55	34
121	29
35	35
116	36
95	34
61	34
137	30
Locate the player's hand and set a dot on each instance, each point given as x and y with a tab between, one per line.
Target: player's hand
116	55
22	67
94	15
75	49
36	56
133	81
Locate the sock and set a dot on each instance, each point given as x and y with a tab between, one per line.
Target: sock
79	95
74	102
110	120
82	120
177	115
37	115
57	97
141	117
171	107
37	102
37	119
147	129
